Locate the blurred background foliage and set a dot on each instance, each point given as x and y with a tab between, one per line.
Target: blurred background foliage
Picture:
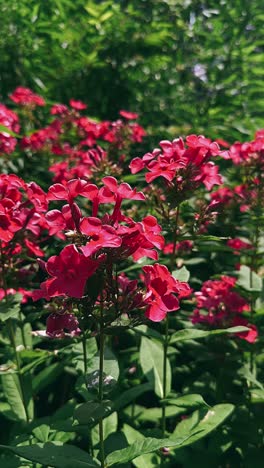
184	65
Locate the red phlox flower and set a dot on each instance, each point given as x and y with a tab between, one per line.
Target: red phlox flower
9	224
71	190
9	120
60	220
34	249
238	244
219	305
161	287
26	97
185	167
138	133
37	196
210	175
150	238
100	235
128	115
251	335
120	192
59	109
77	105
69	271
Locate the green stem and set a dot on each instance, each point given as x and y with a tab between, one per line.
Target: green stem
85	368
22	330
101	384
175	235
164	383
84	355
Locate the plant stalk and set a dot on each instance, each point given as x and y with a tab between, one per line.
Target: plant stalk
101	388
164	383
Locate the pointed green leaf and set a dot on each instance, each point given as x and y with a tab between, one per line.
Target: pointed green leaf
10	307
195	334
42	432
151	360
13	394
143	460
54	454
188	401
129	395
182	274
91	411
249	280
202	422
111	366
142	447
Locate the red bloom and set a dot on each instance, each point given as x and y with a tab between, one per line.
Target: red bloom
59	109
161	287
26	97
183	167
219	305
251	335
9	120
237	244
78	105
69	272
34	249
71	190
128	115
100	235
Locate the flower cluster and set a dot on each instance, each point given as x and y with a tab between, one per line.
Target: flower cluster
219	305
26	97
183	165
22	222
9	120
103	240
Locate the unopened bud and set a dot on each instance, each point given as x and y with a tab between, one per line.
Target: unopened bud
165	451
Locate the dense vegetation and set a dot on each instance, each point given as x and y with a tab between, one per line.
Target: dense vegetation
131	246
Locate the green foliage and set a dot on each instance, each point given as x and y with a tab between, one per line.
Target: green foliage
187	66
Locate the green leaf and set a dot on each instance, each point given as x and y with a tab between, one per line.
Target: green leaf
141	447
257	395
91	411
151	360
182	274
201	422
129	395
111	366
144	330
249	280
13	393
10	307
195	334
188	401
4	129
110	426
42	432
47	376
54	454
144	460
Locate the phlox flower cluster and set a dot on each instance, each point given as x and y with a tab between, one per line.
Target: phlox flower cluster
183	165
22	221
99	244
219	305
